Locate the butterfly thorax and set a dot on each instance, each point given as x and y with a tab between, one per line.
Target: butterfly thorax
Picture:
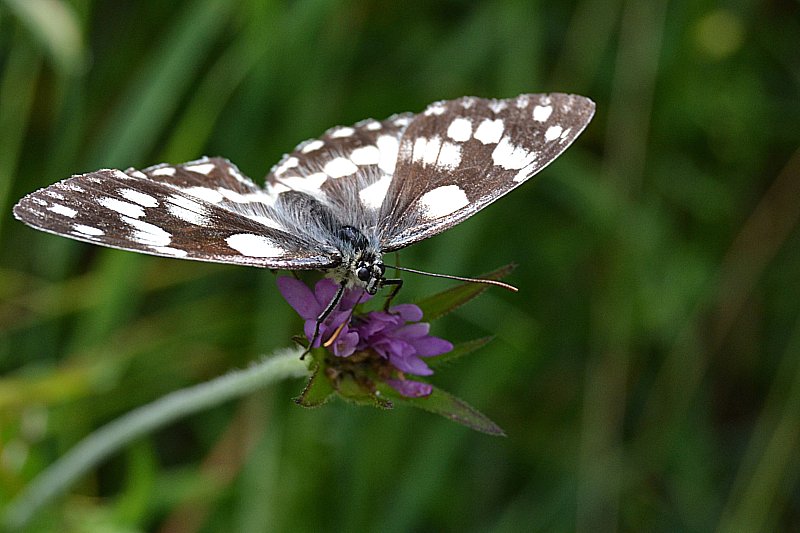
361	260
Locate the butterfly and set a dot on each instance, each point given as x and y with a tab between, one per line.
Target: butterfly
337	203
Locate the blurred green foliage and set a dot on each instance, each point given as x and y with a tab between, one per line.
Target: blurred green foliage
647	373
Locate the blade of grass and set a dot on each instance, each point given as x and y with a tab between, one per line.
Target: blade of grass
88	453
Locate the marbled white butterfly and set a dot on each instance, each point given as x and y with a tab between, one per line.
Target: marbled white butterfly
337	203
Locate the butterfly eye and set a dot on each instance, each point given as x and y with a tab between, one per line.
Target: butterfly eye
363	273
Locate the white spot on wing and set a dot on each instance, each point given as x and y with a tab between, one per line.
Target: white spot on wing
144	200
204	193
388	146
166	250
460	129
525	173
88	230
426	150
310	183
340	167
542	112
123	208
374	125
553	133
436	108
489	131
202	168
290	162
511	157
498	106
261	219
253	245
62	210
198	218
365	155
343	132
372	196
186	203
311	146
449	156
238	175
148	234
443	201
165	171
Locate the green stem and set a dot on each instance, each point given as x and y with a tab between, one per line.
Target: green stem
59	476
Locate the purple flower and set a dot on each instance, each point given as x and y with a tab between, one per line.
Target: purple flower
309	305
390	335
396	336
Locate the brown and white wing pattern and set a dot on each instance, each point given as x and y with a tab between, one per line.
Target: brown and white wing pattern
191	211
387	183
458	156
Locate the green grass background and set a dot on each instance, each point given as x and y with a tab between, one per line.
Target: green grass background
647	373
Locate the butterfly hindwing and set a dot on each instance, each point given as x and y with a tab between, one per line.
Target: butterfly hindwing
132	211
458	156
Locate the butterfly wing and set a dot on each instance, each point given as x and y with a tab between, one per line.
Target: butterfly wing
204	210
348	170
403	179
458	156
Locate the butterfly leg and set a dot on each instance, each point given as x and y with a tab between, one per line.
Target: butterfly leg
325	314
398	284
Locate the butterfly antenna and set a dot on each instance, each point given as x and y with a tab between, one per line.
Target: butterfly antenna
458	278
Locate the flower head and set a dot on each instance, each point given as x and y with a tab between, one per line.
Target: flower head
388	343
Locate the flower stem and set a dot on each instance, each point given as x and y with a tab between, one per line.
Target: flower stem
59	476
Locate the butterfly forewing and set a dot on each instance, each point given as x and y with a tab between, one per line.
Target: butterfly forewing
458	156
133	211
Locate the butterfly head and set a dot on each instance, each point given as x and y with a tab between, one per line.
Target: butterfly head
370	274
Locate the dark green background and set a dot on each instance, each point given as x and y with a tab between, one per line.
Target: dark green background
647	373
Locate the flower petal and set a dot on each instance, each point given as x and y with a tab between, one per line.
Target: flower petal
413	331
410	364
299	297
410	389
353	297
345	343
408	312
324	291
308	329
428	346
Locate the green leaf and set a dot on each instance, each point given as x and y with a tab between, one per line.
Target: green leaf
446	301
318	389
458	350
358	393
453	408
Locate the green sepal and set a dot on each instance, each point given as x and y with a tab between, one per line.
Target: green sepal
318	390
450	299
453	408
352	391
